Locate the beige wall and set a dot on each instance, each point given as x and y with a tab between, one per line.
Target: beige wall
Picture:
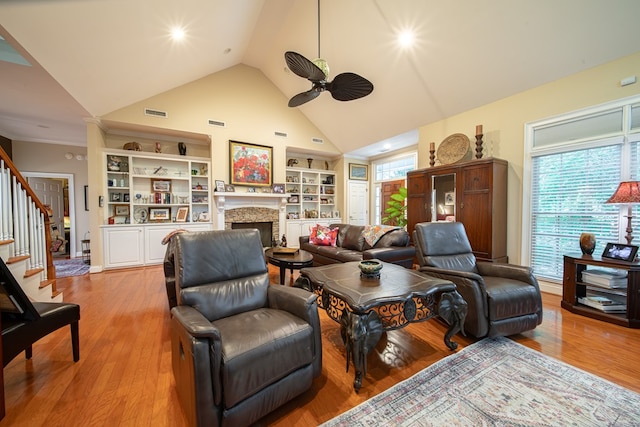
50	158
250	105
504	121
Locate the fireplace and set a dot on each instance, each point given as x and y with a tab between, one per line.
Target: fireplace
264	219
265	229
251	208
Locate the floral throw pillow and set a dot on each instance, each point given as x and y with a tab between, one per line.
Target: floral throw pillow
323	236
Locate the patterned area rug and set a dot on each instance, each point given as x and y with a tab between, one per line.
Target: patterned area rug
497	382
70	267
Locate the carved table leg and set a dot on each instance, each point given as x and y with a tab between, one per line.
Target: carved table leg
360	334
453	309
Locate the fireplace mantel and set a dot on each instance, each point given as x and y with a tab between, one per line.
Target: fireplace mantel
232	200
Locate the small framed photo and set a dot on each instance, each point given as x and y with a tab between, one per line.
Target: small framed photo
449	198
121	210
358	172
620	252
159	214
181	216
229	188
125	197
115	197
278	188
220	187
161	185
204	217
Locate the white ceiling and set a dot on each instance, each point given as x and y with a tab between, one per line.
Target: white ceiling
92	57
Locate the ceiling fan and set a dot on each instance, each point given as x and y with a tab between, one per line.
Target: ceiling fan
345	86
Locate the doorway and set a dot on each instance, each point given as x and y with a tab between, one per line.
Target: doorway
57	191
358	201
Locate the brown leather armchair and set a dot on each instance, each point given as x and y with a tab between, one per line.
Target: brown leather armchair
503	299
240	347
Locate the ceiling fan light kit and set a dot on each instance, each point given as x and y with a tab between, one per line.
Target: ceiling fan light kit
345	87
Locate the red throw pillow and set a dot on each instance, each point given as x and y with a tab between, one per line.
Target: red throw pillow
324	236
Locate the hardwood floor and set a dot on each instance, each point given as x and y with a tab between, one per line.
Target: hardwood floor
124	374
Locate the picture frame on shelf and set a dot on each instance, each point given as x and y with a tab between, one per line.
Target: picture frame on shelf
182	214
125	197
115	197
250	164
229	188
159	214
358	172
220	186
277	188
160	186
620	252
121	210
204	217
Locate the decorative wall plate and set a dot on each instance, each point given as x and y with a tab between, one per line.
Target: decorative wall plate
453	149
140	214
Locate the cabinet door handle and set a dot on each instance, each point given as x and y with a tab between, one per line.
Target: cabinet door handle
461	205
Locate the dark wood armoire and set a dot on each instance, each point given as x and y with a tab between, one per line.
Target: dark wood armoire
472	192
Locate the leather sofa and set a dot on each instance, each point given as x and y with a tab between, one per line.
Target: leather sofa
239	346
502	299
351	245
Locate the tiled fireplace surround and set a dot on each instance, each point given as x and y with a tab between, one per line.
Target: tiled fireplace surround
250	207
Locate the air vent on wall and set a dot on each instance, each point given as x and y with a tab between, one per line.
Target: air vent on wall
317	140
155	113
217	123
282	134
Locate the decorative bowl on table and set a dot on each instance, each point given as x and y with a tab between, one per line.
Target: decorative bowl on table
370	269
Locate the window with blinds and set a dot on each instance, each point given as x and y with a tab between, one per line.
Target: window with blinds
568	194
576	163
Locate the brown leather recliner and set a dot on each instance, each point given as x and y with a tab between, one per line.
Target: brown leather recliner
503	299
240	347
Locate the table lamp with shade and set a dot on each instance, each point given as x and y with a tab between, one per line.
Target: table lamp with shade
628	192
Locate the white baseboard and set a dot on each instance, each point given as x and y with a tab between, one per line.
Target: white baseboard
550	288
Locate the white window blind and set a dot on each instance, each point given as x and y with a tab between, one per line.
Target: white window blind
568	194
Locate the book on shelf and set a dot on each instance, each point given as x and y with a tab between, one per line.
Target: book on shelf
606	279
622	292
608	304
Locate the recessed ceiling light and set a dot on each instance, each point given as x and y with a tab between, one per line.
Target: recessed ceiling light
177	33
406	38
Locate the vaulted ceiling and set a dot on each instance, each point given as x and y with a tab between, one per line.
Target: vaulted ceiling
91	57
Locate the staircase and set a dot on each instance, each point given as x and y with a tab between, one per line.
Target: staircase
25	236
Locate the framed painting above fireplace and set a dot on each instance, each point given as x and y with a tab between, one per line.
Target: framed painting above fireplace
250	164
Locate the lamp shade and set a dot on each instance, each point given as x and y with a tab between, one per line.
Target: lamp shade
627	192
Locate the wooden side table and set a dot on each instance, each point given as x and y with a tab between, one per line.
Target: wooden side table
573	288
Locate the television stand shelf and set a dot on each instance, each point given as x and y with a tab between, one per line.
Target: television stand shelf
573	288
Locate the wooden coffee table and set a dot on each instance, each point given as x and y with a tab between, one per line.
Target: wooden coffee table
365	307
292	262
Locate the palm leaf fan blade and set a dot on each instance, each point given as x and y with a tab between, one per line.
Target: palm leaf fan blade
349	86
303	97
304	68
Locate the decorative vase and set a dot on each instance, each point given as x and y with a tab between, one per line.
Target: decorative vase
309	161
587	243
182	148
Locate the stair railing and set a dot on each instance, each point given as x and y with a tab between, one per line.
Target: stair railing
24	220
